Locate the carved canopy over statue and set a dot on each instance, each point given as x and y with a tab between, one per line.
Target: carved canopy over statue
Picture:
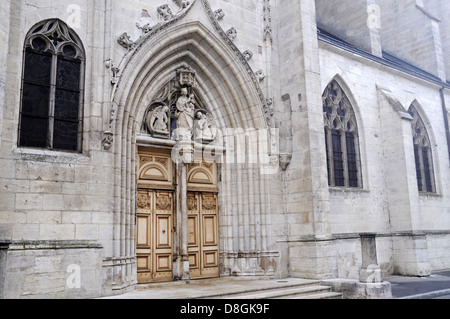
179	112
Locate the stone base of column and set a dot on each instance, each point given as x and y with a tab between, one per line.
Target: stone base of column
185	268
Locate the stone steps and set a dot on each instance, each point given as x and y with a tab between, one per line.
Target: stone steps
311	290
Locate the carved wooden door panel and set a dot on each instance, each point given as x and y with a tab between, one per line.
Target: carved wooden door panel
154	235
203	241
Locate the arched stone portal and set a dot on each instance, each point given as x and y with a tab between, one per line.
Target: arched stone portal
227	91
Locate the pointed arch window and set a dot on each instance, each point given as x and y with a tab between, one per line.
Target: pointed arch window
52	88
422	153
341	139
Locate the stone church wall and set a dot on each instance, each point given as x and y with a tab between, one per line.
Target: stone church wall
68	213
372	208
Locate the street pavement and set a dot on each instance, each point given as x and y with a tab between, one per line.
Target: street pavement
435	286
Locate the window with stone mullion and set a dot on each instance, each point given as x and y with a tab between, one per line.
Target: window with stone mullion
422	154
341	139
52	89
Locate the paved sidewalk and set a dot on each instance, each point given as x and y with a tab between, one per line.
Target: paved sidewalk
436	286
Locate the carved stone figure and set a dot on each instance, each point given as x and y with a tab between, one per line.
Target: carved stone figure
260	75
232	34
219	14
125	41
108	140
205	127
144	23
157	121
247	54
185	115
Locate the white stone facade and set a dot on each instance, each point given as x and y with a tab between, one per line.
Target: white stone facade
260	66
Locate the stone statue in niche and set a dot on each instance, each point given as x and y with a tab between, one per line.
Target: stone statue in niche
185	115
158	120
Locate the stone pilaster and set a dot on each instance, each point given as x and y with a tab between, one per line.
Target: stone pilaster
409	245
307	197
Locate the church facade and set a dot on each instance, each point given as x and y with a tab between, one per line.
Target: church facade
155	141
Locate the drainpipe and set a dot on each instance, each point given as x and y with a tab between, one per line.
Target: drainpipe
447	129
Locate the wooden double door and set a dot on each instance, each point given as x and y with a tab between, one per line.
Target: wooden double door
175	225
155	235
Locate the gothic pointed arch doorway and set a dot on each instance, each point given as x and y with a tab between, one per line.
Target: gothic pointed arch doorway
144	119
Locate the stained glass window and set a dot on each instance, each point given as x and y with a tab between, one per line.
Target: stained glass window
422	154
341	139
52	88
